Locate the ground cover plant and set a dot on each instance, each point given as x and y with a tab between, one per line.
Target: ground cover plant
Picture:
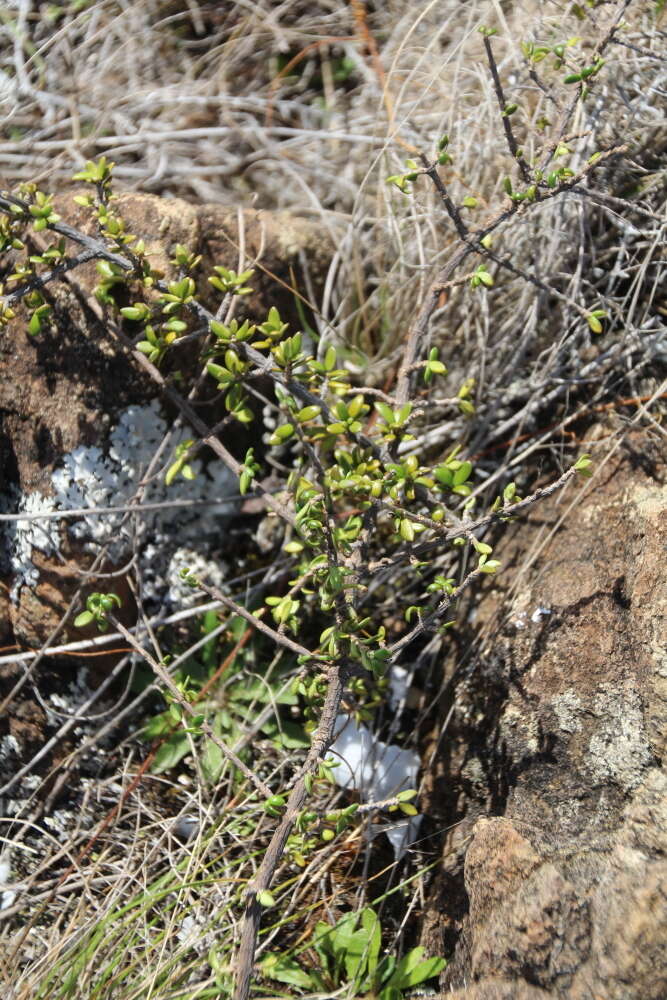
383	518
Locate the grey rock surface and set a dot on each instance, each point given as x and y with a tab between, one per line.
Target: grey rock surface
562	876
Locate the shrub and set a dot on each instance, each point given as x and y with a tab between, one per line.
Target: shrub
382	532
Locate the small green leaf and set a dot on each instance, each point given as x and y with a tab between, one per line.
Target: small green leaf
308	413
35	324
284	969
171	752
594	320
85	618
462	474
413	969
583	466
265	898
407	795
406	530
385	412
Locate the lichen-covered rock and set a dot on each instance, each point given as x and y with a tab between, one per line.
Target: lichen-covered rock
561	719
65	393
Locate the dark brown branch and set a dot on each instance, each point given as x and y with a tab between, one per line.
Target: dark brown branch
451	209
505	118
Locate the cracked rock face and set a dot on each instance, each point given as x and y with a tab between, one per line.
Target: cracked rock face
562	881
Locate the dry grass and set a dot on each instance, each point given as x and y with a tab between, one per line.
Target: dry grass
309	107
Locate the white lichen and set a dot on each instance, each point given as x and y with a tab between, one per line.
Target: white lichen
7	895
180	594
22	536
94	477
568	709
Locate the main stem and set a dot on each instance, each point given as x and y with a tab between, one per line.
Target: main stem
322	740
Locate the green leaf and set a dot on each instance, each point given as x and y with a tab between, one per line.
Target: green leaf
482	548
265	898
35	324
173	471
137	312
370	923
412	970
274	802
85	618
462	473
308	413
583	466
407	795
212	762
406	530
385	412
283	432
283	969
169	753
594	320
391	993
288	735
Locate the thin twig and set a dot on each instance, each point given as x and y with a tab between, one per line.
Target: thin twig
322	740
160	671
504	117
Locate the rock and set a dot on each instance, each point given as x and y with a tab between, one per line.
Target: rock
497	989
65	388
563	714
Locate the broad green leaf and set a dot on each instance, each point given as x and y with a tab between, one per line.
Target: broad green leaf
413	970
289	735
286	970
170	753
